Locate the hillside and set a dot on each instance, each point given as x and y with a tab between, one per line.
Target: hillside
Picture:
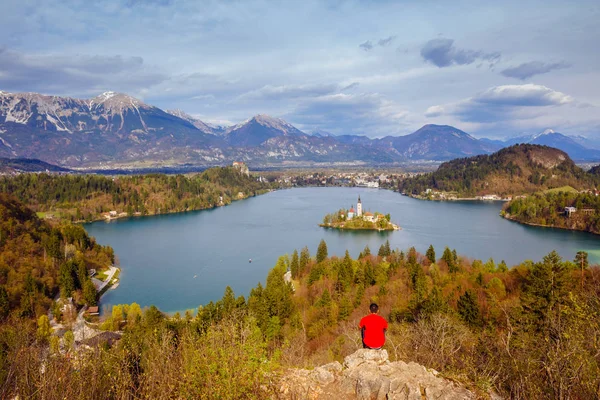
35	256
92	197
548	209
480	325
514	170
14	165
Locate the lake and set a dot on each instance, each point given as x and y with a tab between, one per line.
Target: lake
180	261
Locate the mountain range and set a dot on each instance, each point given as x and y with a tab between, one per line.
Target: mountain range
116	130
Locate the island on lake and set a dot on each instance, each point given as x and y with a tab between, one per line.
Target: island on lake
357	220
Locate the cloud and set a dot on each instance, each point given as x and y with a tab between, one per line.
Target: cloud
442	53
270	92
366	46
350	86
341	113
386	41
434	111
527	70
522	95
502	103
75	75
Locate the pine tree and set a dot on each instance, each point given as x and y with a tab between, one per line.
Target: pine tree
90	295
430	254
304	260
295	265
366	252
448	258
322	251
546	288
381	252
388	250
468	308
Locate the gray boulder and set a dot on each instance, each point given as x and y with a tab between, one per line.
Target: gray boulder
368	374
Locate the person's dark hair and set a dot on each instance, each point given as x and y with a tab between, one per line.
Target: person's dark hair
374	307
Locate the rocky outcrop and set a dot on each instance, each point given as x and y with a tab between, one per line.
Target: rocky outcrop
368	374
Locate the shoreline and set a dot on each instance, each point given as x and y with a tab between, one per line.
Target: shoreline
394	228
509	218
139	215
454	199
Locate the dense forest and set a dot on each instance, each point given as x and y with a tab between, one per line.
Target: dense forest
88	197
514	170
37	260
549	209
532	331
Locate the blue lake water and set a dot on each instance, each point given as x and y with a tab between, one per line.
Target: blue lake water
180	261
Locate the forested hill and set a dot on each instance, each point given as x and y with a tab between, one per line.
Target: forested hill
476	322
548	209
519	169
89	197
36	259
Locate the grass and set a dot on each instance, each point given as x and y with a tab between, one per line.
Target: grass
568	189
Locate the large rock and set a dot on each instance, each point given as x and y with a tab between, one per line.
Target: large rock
368	374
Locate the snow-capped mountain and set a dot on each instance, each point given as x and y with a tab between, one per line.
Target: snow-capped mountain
578	150
114	129
201	125
258	130
111	126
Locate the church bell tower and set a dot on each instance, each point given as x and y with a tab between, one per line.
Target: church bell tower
359	207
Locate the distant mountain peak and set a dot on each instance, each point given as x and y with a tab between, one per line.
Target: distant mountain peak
548	131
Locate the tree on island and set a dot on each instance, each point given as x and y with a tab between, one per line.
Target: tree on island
322	251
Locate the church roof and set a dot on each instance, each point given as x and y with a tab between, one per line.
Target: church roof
351	210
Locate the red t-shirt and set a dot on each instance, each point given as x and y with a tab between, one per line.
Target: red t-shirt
374	335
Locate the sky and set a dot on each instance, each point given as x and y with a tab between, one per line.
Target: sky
374	68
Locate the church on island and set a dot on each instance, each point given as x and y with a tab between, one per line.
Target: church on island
358	219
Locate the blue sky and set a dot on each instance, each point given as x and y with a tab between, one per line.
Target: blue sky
358	67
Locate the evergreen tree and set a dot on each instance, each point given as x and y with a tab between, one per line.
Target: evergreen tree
322	251
370	276
295	265
66	280
366	252
90	295
581	259
448	257
468	308
430	254
381	252
304	259
546	288
325	300
345	308
412	256
228	300
502	267
435	303
345	272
